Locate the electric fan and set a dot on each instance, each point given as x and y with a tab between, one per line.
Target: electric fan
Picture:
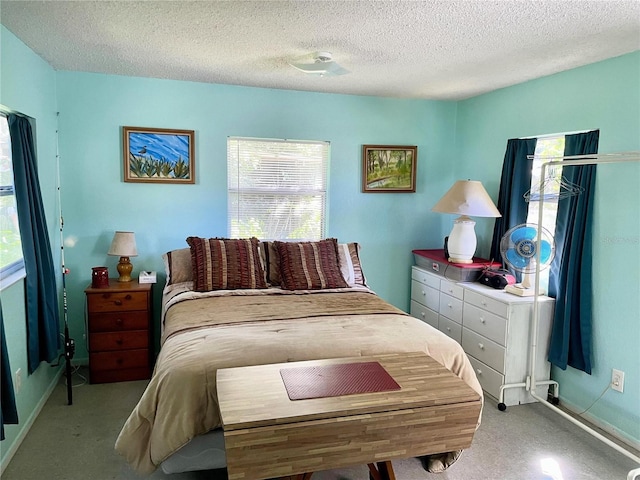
519	249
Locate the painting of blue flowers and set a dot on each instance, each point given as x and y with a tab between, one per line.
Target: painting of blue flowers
157	155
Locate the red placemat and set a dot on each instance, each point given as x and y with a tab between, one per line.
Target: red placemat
336	380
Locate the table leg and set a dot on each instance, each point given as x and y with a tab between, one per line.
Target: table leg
381	471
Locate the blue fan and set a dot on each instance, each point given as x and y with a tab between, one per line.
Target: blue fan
520	245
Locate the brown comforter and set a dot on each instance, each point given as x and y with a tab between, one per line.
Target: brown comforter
203	335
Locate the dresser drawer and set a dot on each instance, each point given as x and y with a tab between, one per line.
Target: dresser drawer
489	379
113	322
125	340
486	303
450	307
483	349
427	296
119	359
485	323
450	328
423	313
426	278
451	288
117	301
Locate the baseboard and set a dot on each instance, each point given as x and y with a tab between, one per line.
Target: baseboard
608	430
29	423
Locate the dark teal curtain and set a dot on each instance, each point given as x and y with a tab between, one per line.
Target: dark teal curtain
570	278
43	316
8	412
514	183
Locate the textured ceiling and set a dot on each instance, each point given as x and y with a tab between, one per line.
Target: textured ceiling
413	49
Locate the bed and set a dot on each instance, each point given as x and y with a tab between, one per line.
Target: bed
230	303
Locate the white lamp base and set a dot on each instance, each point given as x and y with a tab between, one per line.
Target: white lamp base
462	240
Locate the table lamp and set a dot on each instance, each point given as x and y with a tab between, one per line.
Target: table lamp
124	246
465	197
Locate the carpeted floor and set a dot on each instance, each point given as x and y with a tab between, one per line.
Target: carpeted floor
524	443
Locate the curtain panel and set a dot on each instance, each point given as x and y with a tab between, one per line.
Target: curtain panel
514	183
8	412
570	279
43	316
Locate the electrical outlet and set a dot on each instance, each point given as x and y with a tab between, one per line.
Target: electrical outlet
617	380
18	380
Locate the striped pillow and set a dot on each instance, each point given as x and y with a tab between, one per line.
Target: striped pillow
310	265
350	264
225	264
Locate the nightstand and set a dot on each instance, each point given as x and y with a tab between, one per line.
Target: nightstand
119	329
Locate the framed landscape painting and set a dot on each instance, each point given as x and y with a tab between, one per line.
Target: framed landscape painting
389	168
158	155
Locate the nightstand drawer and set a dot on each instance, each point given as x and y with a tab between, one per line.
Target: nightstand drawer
485	323
119	340
485	350
113	322
423	313
428	296
450	307
117	301
118	360
486	303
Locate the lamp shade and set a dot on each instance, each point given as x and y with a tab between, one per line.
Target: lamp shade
467	197
123	245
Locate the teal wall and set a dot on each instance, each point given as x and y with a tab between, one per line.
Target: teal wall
605	95
96	201
28	85
455	140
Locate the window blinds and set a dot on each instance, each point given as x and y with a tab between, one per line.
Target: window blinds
276	188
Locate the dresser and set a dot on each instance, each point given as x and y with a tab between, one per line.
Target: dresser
119	320
493	327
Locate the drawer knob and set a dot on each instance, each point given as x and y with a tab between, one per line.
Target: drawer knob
128	297
423	292
479	372
484	304
119	361
482	320
119	341
449	305
481	346
119	321
118	302
422	314
448	329
451	290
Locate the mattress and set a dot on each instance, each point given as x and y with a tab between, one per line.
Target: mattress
176	422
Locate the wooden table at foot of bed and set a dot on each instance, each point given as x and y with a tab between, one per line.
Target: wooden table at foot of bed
268	435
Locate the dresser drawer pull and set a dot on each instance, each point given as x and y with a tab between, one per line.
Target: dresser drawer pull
128	297
484	303
481	346
119	361
119	341
119	321
422	314
482	320
118	302
479	372
449	305
448	329
423	292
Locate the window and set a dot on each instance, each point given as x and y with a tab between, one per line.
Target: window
546	149
10	245
277	188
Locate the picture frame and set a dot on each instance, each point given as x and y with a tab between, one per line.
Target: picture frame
389	168
158	155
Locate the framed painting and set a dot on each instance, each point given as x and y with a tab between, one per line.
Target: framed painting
389	168
158	155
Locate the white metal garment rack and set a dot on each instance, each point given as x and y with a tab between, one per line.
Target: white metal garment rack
531	379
